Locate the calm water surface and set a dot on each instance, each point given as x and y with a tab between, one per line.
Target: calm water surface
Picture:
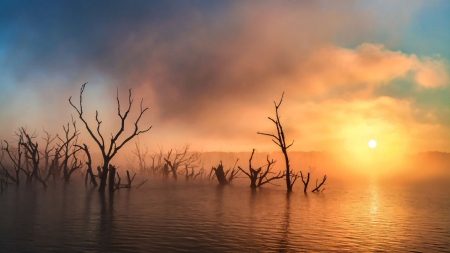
202	217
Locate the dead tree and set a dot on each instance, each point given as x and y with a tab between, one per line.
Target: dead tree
129	180
188	175
200	173
112	176
158	158
69	149
114	145
280	140
89	172
32	155
234	172
140	154
211	175
305	182
181	157
165	171
4	173
221	175
118	185
16	160
158	163
317	189
47	150
259	177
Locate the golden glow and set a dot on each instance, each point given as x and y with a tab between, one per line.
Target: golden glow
372	143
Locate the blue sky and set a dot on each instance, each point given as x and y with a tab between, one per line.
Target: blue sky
198	62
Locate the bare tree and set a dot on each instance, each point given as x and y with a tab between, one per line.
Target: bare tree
221	174
211	175
47	150
305	181
69	149
259	177
234	172
188	175
16	160
181	157
141	155
157	163
89	172
109	151
32	154
118	185
317	189
165	171
53	170
4	173
200	173
280	140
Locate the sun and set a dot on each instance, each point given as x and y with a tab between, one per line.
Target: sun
372	143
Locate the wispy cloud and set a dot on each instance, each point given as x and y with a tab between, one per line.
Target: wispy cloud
209	71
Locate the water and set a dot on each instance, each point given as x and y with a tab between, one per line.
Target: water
202	217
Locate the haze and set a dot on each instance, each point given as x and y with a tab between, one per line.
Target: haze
209	71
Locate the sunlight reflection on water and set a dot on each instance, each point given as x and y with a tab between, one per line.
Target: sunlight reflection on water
202	217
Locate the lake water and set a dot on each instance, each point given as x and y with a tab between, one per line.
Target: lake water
202	217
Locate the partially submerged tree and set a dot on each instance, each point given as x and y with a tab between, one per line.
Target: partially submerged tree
317	189
200	173
118	185
280	140
69	149
259	177
110	150
221	174
89	172
141	154
306	182
32	155
46	153
181	157
15	158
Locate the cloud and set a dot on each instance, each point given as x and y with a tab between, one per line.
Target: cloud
368	66
432	73
208	71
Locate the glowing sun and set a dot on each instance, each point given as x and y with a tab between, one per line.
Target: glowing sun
372	143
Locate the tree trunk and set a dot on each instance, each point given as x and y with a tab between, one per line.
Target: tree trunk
220	174
112	175
288	171
103	177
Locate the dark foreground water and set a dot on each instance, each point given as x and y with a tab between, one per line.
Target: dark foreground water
201	217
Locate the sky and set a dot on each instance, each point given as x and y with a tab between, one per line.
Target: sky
209	71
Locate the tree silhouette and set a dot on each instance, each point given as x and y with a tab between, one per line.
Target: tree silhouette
182	156
141	155
16	160
280	140
221	174
32	155
89	172
109	151
69	149
260	177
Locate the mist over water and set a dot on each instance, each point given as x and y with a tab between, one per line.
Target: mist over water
166	216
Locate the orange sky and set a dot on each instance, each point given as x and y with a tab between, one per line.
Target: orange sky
210	78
